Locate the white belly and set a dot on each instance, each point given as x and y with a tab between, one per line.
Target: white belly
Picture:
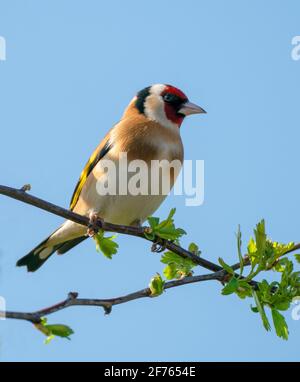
128	209
132	206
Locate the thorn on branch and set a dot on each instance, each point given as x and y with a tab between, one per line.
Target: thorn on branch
107	309
25	188
72	295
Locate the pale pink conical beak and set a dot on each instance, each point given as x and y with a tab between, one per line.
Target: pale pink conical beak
189	108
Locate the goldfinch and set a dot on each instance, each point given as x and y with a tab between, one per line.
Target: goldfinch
149	130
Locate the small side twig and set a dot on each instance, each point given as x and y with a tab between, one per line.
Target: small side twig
106	304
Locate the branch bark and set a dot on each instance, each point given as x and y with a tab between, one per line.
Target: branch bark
106	304
35	317
23	196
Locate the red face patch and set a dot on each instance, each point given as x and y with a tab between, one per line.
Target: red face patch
171	89
172	115
174	99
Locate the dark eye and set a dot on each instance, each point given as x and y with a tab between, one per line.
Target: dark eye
171	98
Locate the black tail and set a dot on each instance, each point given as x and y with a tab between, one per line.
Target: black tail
36	258
65	247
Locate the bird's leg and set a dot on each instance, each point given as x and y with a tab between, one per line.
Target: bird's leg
95	224
159	245
136	223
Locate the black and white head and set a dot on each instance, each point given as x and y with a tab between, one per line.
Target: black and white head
166	105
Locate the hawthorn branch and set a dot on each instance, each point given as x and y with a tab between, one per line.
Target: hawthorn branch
219	274
106	304
23	196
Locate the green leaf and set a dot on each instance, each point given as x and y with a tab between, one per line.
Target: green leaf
171	214
156	285
227	267
44	320
59	330
106	245
264	254
254	309
239	247
294	280
169	232
260	237
283	305
279	267
171	257
297	257
170	272
194	249
280	324
261	311
231	286
286	274
280	248
251	247
49	339
244	289
256	248
153	221
50	331
176	265
168	221
165	229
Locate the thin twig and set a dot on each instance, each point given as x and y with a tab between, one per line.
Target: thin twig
106	304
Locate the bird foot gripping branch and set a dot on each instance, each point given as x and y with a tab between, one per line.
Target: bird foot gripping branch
96	223
159	245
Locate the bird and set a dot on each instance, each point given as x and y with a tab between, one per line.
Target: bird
148	130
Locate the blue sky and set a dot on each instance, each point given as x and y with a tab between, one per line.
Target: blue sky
71	69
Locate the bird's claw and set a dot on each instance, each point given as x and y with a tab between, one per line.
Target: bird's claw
95	224
159	245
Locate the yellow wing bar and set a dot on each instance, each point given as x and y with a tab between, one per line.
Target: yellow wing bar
97	155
